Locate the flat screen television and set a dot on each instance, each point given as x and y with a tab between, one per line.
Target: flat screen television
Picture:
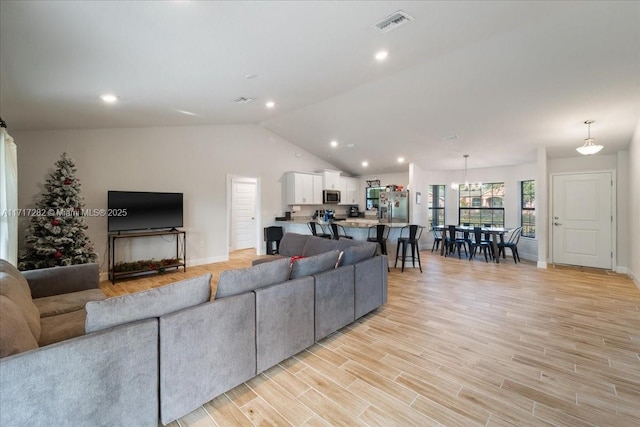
142	210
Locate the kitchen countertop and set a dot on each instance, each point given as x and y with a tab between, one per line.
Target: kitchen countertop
348	223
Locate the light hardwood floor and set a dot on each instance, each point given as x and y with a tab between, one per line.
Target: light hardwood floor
464	343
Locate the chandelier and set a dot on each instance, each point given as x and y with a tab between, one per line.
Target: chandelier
589	147
469	186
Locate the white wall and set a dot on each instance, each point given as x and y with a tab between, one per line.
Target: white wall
634	207
191	160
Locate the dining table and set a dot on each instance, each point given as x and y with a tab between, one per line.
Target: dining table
495	233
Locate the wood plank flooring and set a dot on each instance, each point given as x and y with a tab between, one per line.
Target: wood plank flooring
462	344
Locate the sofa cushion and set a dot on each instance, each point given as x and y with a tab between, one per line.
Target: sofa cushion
355	254
293	244
267	258
7	267
343	244
11	288
151	303
64	303
233	282
15	335
317	245
314	264
62	327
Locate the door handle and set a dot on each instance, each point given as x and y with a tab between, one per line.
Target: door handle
556	223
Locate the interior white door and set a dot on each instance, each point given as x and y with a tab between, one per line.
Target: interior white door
582	220
243	221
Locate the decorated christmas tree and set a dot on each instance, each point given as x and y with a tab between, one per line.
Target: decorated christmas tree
56	234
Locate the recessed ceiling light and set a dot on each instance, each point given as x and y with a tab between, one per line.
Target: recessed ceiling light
270	104
109	98
400	159
382	55
365	164
334	143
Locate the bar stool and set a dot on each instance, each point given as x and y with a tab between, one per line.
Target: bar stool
312	226
409	235
339	232
379	234
272	235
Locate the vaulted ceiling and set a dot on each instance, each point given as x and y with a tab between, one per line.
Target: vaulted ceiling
495	80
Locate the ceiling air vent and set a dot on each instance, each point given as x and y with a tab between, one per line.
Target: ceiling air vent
393	21
242	100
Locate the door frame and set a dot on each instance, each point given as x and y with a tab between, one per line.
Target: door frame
229	200
614	212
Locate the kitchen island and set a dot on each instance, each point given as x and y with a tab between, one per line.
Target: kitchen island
358	228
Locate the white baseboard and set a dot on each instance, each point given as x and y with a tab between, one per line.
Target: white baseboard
621	269
542	264
633	277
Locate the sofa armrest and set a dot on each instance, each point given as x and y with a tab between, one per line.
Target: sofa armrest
46	282
106	378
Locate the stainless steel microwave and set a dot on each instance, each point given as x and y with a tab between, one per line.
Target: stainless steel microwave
330	196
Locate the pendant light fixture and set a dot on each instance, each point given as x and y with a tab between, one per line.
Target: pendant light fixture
589	147
474	186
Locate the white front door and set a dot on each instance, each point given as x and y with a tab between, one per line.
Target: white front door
582	219
243	221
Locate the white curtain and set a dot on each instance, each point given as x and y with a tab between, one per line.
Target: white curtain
8	198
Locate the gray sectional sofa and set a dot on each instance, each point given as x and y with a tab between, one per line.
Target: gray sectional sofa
160	354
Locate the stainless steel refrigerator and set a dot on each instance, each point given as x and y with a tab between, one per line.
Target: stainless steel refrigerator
394	207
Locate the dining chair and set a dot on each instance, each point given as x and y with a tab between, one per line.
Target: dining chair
313	226
409	235
458	242
437	238
511	241
481	244
339	232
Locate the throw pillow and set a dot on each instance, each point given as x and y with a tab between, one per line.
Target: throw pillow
15	335
233	282
154	302
355	254
314	264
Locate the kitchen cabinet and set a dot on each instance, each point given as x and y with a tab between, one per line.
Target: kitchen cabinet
332	180
304	189
350	189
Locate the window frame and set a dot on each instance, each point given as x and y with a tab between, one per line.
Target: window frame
487	202
438	191
527	226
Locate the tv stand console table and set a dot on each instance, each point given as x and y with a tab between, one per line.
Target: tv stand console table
181	253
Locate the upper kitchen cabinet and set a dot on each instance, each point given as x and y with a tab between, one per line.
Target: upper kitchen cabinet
331	180
304	188
350	190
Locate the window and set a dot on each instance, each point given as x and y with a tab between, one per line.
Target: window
372	197
436	205
482	205
528	208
